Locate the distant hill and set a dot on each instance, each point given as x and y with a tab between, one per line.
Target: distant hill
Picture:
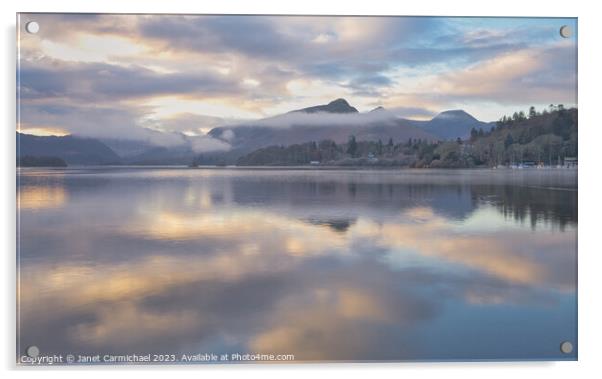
71	149
452	124
135	152
31	161
160	155
127	148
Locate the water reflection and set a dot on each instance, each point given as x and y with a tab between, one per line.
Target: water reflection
337	265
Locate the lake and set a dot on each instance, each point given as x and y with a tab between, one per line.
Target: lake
328	265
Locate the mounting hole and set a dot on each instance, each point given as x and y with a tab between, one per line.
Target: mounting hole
33	351
565	31
32	27
566	347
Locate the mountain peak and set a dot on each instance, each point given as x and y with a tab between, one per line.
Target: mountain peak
455	114
335	106
378	109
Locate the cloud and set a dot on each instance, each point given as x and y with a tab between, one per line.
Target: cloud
523	76
206	144
278	281
190	124
117	123
107	82
412	112
297	119
249	66
245	34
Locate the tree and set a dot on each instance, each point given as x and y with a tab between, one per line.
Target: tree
509	140
352	146
459	141
532	112
473	134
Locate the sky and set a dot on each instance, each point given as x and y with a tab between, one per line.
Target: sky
156	77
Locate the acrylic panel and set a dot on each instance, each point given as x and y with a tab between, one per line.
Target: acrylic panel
284	189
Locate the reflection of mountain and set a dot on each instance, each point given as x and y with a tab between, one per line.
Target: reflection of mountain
342	200
73	150
339	225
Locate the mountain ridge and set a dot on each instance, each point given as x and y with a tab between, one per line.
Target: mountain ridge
72	149
335	121
339	105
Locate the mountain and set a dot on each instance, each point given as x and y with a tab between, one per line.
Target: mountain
71	149
378	109
31	161
335	121
548	138
135	152
160	155
452	124
335	106
127	148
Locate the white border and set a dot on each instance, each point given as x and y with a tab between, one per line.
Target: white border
590	140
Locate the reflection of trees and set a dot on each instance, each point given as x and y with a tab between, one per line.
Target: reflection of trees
557	206
356	197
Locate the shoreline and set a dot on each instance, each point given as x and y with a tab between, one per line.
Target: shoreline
305	168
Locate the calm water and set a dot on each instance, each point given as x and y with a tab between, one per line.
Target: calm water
325	265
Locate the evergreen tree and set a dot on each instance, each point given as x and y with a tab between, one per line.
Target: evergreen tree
352	146
473	134
532	112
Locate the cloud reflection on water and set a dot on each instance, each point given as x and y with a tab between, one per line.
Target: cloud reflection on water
184	266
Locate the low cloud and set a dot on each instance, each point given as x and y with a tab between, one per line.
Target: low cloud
206	144
302	119
114	123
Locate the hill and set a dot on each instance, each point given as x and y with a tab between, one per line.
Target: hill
71	149
450	125
545	138
30	161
